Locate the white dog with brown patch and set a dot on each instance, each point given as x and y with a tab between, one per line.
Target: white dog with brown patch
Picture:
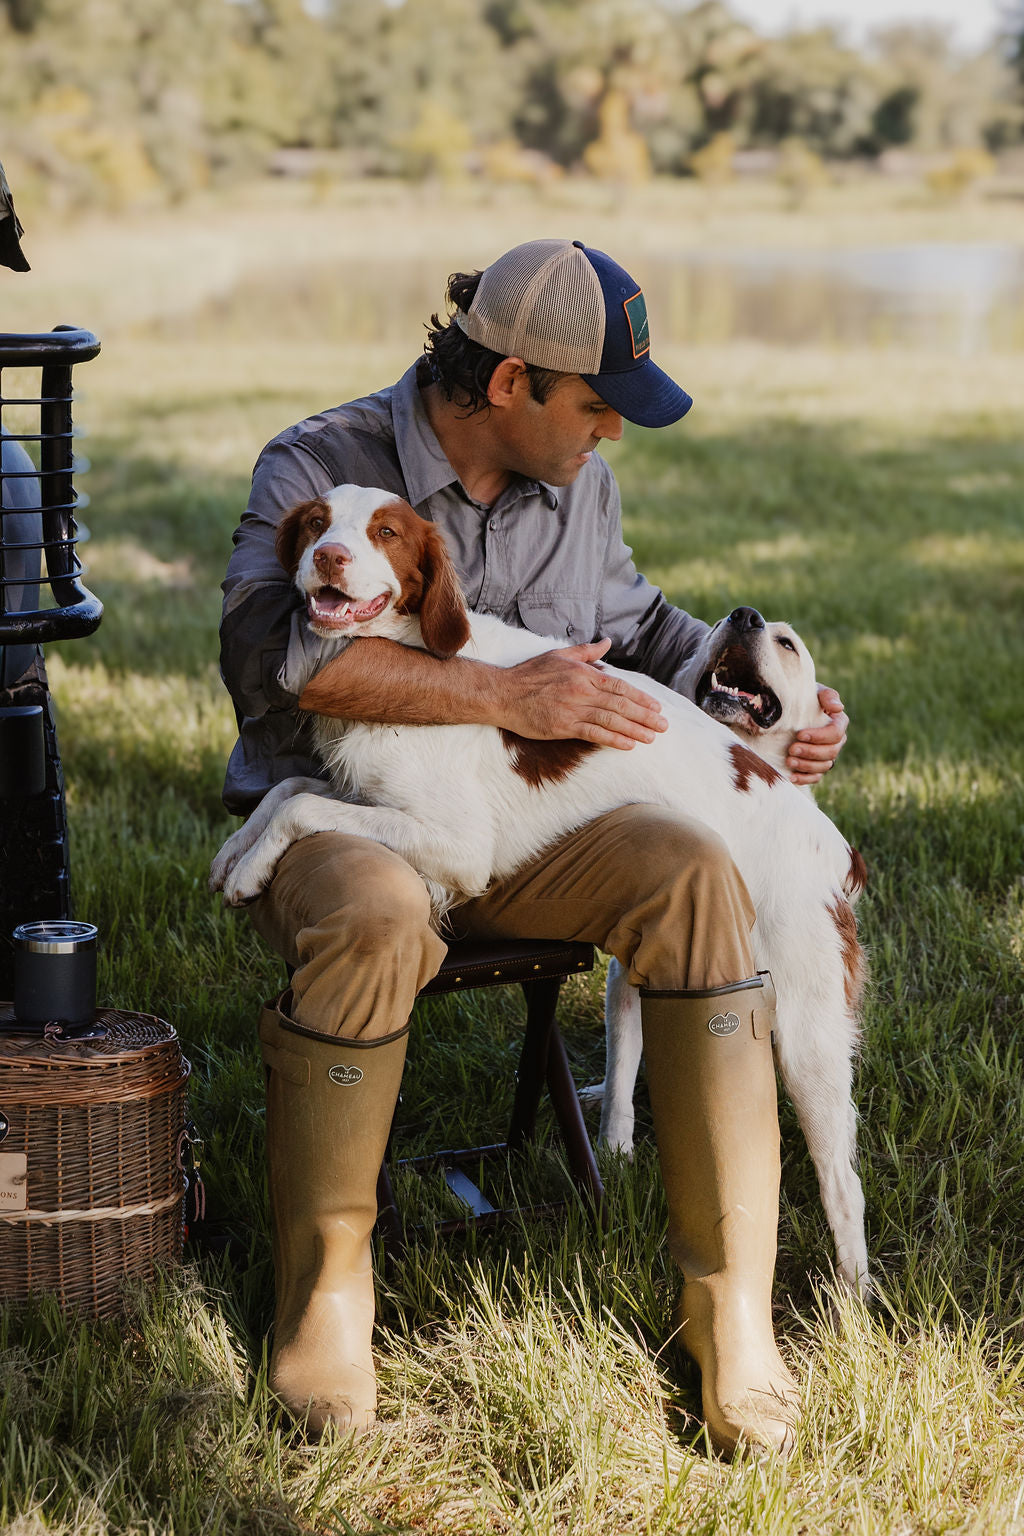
758	679
469	804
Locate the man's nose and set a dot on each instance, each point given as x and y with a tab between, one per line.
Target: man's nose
611	425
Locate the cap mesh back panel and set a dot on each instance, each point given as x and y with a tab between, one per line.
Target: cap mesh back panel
543	302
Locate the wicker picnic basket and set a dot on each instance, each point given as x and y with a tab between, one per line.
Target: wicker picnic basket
91	1144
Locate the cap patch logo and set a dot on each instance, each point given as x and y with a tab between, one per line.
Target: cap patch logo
639	330
724	1024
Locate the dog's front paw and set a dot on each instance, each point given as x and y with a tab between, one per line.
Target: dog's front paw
219	871
592	1095
234	849
246	881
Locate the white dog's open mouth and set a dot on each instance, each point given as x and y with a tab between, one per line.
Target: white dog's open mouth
732	692
331	609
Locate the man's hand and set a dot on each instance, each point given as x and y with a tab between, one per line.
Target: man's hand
560	695
813	753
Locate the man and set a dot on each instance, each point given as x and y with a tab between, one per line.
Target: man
493	436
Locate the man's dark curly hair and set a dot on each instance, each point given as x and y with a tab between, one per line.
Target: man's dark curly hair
462	367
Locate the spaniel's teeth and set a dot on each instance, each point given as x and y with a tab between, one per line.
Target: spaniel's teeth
331	613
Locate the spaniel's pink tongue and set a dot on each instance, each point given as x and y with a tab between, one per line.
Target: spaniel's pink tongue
334	606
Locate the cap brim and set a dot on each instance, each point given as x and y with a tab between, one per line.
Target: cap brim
645	396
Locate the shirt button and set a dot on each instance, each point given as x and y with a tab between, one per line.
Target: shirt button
493	524
570	629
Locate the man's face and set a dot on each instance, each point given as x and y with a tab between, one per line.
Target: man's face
552	441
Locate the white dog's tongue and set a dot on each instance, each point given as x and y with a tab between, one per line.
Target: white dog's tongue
735	693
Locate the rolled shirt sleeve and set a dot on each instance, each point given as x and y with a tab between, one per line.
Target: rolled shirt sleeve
268	653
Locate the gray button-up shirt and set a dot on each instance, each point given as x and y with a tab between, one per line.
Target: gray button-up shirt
543	557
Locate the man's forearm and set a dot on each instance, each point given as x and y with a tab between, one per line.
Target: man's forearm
390	684
557	695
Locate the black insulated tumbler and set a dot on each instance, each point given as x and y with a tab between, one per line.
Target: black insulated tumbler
54	972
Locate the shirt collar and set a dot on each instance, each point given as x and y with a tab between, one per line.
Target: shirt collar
519	489
425	468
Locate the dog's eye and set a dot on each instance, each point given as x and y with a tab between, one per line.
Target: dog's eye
386	533
786	644
316	525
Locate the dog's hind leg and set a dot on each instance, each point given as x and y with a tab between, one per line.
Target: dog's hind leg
459	864
623	1047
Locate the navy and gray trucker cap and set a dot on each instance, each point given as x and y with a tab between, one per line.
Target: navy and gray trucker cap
559	304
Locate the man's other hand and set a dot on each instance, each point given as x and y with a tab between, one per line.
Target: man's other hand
814	753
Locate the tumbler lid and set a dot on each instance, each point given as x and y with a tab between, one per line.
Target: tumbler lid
55	936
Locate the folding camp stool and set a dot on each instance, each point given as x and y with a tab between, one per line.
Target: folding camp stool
540	967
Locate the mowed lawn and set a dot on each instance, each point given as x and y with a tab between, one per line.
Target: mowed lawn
872	498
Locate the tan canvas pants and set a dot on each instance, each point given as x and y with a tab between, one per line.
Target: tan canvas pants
655	889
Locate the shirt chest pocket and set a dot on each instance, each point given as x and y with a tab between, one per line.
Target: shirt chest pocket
564	617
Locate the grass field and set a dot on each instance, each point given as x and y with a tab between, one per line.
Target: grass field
875	499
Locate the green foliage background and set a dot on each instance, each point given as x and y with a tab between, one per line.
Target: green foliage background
124	101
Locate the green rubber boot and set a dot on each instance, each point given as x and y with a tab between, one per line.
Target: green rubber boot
712	1086
329	1108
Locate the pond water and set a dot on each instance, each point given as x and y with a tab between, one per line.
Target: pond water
959	298
962	299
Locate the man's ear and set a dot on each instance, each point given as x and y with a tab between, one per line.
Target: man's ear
507	379
443	620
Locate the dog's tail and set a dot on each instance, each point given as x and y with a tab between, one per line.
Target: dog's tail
857	877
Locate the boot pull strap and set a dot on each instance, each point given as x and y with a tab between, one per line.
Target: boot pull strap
762	1020
764	1017
288	1064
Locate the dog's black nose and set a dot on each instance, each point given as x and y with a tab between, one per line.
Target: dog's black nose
746	618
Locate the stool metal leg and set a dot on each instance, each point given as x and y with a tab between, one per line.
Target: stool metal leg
541	1004
566	1104
543	1063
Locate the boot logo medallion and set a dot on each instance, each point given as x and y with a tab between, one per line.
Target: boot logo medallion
724	1024
349	1076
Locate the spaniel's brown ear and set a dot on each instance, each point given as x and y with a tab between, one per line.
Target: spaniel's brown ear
294	532
443	621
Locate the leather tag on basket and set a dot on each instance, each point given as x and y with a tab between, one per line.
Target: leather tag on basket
13	1181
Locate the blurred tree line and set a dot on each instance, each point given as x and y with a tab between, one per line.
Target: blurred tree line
129	99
